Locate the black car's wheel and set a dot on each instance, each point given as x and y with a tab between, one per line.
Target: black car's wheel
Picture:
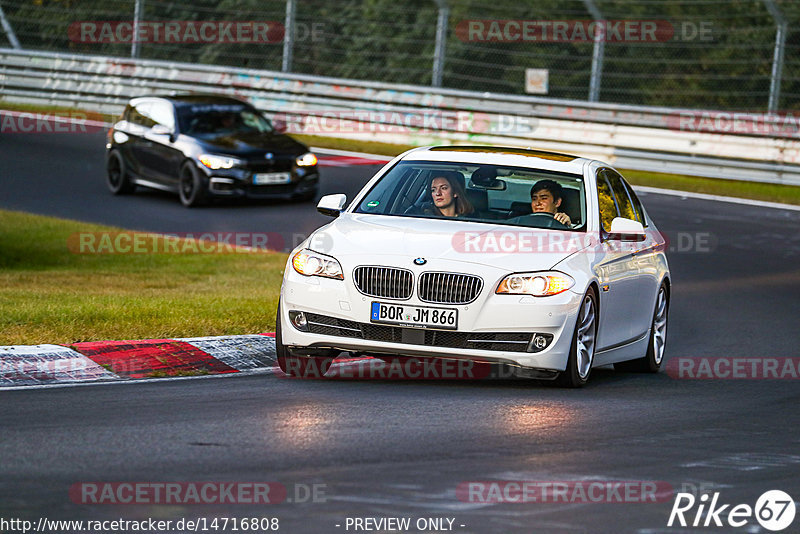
581	352
117	177
191	187
300	366
651	361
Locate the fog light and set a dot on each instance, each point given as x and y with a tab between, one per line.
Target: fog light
299	321
539	342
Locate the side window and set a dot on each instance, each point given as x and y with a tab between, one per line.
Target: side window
138	115
624	205
605	201
160	113
637	204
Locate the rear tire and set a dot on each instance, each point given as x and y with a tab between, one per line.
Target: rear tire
191	187
581	352
117	178
299	366
651	361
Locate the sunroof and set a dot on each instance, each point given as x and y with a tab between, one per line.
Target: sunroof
554	156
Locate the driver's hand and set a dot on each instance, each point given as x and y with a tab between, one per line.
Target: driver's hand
563	218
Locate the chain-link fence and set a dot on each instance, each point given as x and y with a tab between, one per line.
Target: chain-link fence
711	54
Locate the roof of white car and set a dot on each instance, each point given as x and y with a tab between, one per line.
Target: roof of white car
498	155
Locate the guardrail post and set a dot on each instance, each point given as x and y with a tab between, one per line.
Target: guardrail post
598	50
777	56
288	37
441	39
137	17
12	37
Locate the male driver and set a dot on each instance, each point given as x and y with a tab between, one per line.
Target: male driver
546	197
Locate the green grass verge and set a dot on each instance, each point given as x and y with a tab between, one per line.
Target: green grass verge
49	294
57	110
732	188
786	194
368	147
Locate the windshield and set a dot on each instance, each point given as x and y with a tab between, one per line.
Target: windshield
495	194
221	119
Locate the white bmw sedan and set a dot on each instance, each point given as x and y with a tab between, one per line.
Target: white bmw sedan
546	263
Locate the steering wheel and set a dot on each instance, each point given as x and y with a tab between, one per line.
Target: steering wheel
548	220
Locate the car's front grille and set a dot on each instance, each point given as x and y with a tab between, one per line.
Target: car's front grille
384	282
265	165
332	326
269	190
449	288
494	341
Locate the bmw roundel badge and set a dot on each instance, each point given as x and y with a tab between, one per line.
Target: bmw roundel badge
420	261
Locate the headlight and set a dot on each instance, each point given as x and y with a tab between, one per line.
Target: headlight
541	284
219	162
306	160
310	263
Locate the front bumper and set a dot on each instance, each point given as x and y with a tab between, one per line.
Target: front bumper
489	329
238	182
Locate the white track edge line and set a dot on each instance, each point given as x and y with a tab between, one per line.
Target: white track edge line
717	198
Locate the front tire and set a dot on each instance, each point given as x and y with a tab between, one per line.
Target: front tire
117	177
581	352
297	365
192	189
651	362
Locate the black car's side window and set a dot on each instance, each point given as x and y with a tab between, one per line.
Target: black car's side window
160	113
139	115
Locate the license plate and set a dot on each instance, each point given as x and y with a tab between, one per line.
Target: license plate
271	178
414	316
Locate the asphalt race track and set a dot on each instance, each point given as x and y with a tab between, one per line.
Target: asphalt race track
396	448
70	183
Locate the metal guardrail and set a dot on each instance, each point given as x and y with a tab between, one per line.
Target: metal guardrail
634	137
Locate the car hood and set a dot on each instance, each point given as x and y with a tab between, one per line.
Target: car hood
253	144
394	240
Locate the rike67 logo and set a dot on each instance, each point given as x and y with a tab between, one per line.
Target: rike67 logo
774	511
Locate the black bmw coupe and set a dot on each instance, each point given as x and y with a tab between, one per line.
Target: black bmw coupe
206	146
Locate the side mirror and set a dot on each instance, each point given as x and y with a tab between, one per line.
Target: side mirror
331	205
626	230
160	129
